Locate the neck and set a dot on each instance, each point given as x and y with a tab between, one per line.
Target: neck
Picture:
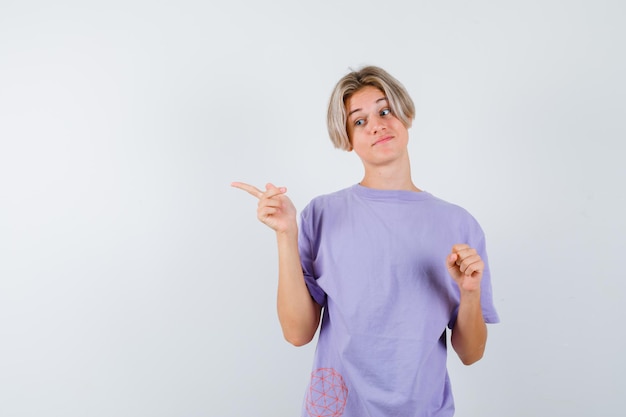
389	177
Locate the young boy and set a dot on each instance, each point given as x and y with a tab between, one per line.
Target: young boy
389	265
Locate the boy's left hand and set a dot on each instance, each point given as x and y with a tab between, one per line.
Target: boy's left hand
465	267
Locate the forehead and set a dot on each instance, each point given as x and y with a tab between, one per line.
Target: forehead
365	97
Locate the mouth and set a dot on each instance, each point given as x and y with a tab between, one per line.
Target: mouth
382	140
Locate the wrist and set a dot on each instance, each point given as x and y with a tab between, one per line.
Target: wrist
287	234
470	296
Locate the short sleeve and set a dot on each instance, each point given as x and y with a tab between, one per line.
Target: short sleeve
476	239
307	244
486	293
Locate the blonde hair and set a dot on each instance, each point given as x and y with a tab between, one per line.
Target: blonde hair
400	102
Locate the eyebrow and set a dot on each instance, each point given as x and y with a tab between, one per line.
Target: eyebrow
377	101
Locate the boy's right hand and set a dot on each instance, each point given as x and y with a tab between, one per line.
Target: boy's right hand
275	209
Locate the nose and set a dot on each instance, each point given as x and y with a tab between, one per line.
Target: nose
377	124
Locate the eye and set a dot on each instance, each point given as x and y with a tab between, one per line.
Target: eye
385	112
359	122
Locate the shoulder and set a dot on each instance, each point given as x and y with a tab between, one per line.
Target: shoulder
449	208
334	199
455	215
326	209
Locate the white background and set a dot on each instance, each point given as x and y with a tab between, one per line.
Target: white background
134	281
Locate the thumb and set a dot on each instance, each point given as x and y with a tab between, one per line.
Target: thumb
270	186
451	260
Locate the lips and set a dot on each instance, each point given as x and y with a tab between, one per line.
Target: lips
382	140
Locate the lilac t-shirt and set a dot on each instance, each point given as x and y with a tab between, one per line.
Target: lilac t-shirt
375	260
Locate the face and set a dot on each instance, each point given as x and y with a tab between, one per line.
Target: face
377	136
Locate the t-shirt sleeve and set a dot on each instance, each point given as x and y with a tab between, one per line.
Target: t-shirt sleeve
307	244
476	239
486	293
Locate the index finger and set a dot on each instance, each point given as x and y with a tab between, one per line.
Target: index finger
247	187
459	247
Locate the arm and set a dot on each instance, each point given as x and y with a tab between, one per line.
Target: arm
298	313
469	334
